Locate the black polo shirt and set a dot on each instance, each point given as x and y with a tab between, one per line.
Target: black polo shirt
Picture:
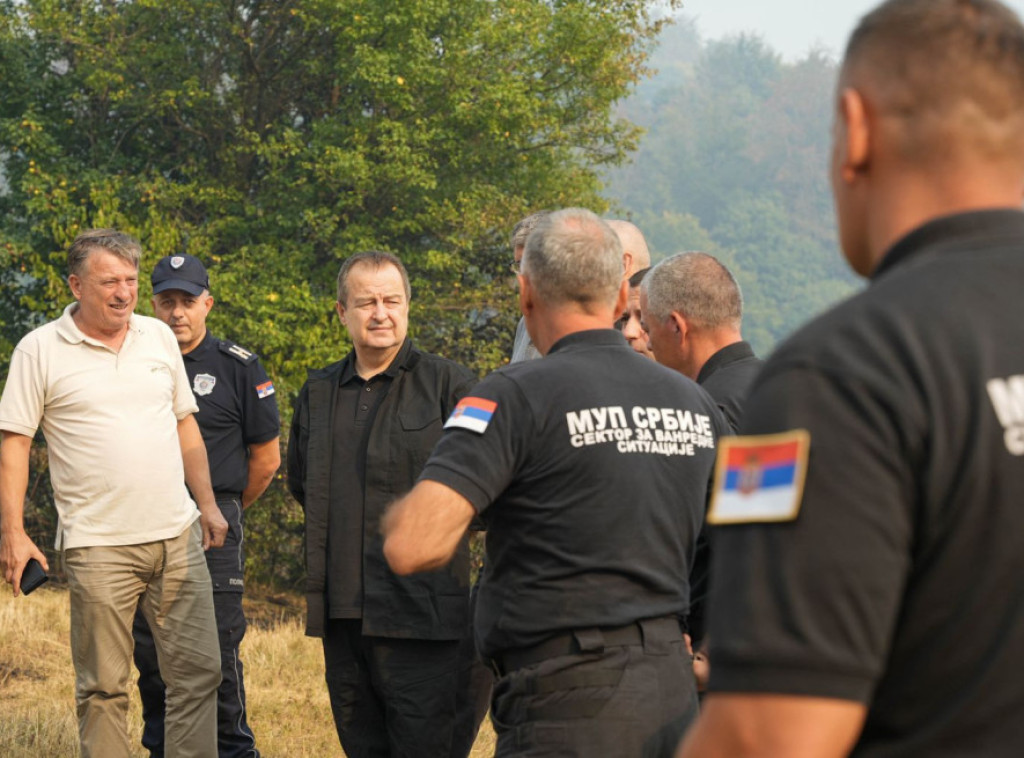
590	469
898	582
727	376
237	408
355	412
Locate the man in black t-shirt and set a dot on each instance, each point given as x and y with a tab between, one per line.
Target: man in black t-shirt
871	543
692	311
589	469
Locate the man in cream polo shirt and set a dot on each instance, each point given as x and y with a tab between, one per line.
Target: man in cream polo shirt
109	391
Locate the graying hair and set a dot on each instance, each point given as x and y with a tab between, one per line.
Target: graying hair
122	245
374	258
572	256
524	227
699	287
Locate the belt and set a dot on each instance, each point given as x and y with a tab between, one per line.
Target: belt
217	495
647	632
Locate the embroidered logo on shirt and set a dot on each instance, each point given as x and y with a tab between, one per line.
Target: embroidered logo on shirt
203	384
473	413
760	479
264	390
1007	396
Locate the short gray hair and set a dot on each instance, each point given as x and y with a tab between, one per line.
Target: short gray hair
699	287
572	256
374	258
526	225
122	245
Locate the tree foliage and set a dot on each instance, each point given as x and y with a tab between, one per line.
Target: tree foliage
272	138
735	164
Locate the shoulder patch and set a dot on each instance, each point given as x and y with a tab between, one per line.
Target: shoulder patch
237	352
473	413
265	390
760	479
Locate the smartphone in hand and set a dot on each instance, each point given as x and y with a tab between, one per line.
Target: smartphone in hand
33	576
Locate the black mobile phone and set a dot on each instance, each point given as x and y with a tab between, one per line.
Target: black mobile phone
33	576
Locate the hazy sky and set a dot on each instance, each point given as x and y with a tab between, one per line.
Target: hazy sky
792	27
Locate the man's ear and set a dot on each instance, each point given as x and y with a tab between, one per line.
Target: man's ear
853	135
526	294
340	310
76	286
627	263
622	300
681	326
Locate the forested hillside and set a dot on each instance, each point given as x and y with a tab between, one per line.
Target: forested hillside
734	163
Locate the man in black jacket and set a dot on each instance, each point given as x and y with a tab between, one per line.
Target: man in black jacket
361	432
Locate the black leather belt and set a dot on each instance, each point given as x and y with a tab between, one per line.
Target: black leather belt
227	496
592	640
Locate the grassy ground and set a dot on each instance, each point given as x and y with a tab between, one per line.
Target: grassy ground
288	707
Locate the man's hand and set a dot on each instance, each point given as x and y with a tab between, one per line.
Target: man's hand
15	545
701	670
699	661
215	528
15	550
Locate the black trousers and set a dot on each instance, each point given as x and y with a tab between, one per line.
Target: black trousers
391	698
608	700
226	564
473	696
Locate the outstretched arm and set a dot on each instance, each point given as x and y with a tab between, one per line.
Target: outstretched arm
768	725
422	530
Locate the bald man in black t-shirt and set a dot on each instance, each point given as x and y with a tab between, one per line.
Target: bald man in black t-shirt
589	469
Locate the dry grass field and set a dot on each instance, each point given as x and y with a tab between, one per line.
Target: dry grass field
288	706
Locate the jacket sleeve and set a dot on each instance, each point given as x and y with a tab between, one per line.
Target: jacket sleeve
459	386
298	440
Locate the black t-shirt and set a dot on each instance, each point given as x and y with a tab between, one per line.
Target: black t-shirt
590	468
727	376
898	581
237	408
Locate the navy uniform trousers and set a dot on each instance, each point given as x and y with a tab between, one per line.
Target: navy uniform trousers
226	564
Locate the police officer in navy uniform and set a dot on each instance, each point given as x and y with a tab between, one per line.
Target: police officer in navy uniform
590	470
870	541
240	425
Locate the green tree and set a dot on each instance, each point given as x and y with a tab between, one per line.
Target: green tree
272	138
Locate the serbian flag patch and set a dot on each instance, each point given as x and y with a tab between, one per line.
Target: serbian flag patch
473	413
760	479
264	390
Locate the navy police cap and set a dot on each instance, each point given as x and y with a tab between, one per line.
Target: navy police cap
180	272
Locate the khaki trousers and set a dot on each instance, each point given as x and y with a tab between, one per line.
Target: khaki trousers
171	578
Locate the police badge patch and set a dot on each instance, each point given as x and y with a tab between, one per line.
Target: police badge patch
177	261
203	384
